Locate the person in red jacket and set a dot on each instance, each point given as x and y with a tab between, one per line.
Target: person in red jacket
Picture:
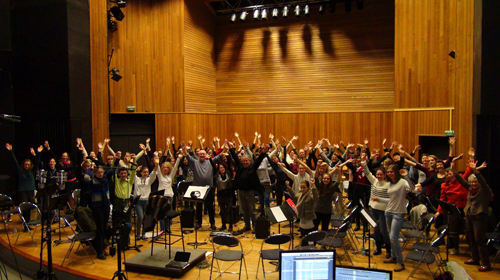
453	192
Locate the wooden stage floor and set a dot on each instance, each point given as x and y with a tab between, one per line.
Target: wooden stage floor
78	263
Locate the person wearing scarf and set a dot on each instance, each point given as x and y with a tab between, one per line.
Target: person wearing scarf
305	202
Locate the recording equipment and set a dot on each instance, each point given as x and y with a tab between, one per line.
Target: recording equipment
307	264
219	233
61	179
41	177
351	272
195	194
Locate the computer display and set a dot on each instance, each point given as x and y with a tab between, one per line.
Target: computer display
307	265
361	273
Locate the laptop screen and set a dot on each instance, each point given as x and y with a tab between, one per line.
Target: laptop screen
307	265
359	273
182	256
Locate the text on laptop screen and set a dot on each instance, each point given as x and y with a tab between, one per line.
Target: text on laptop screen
353	273
307	265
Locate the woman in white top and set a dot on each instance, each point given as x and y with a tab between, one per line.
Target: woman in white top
378	202
396	211
165	177
142	188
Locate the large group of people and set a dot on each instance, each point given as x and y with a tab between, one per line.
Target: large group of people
238	173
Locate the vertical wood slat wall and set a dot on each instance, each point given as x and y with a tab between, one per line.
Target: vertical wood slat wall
321	63
424	77
149	53
199	66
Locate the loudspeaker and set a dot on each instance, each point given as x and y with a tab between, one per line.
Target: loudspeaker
263	228
235	214
187	218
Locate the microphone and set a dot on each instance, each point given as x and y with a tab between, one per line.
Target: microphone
11	116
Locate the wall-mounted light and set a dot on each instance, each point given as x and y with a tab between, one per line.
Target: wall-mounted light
243	15
297	10
306	10
115	75
256	14
263	14
275	13
232	19
285	11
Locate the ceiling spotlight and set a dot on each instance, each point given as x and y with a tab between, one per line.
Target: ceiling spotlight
115	74
275	13
256	13
297	10
111	24
121	3
348	5
321	8
360	4
243	15
306	10
117	13
285	11
263	14
333	4
232	19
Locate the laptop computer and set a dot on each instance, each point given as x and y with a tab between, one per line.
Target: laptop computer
181	260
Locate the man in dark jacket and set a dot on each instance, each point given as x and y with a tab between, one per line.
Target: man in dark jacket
247	182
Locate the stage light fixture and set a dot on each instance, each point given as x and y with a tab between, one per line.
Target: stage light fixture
285	11
306	10
111	24
121	3
117	13
263	14
115	74
333	5
321	8
297	10
232	19
360	4
256	14
243	15
275	13
348	5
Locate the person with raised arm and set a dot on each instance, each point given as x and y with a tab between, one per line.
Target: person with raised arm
476	216
25	179
323	205
399	186
379	198
203	172
305	201
142	188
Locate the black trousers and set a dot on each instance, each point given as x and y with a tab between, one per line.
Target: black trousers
323	219
209	206
476	230
225	203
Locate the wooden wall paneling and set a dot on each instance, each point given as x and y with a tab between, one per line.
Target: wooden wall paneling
424	37
149	54
199	66
99	71
322	63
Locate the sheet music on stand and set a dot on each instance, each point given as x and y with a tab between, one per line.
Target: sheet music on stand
368	217
199	193
279	214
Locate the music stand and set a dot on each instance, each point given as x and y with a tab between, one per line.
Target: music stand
196	194
451	210
363	191
58	203
279	214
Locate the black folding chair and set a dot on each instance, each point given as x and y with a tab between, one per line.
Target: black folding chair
337	241
428	257
227	255
27	207
271	254
309	241
83	238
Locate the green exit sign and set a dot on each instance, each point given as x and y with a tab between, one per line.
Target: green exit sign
449	133
130	108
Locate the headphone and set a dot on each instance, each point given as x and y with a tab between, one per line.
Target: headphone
195	194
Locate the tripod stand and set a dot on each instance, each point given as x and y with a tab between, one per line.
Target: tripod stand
133	203
121	227
47	216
